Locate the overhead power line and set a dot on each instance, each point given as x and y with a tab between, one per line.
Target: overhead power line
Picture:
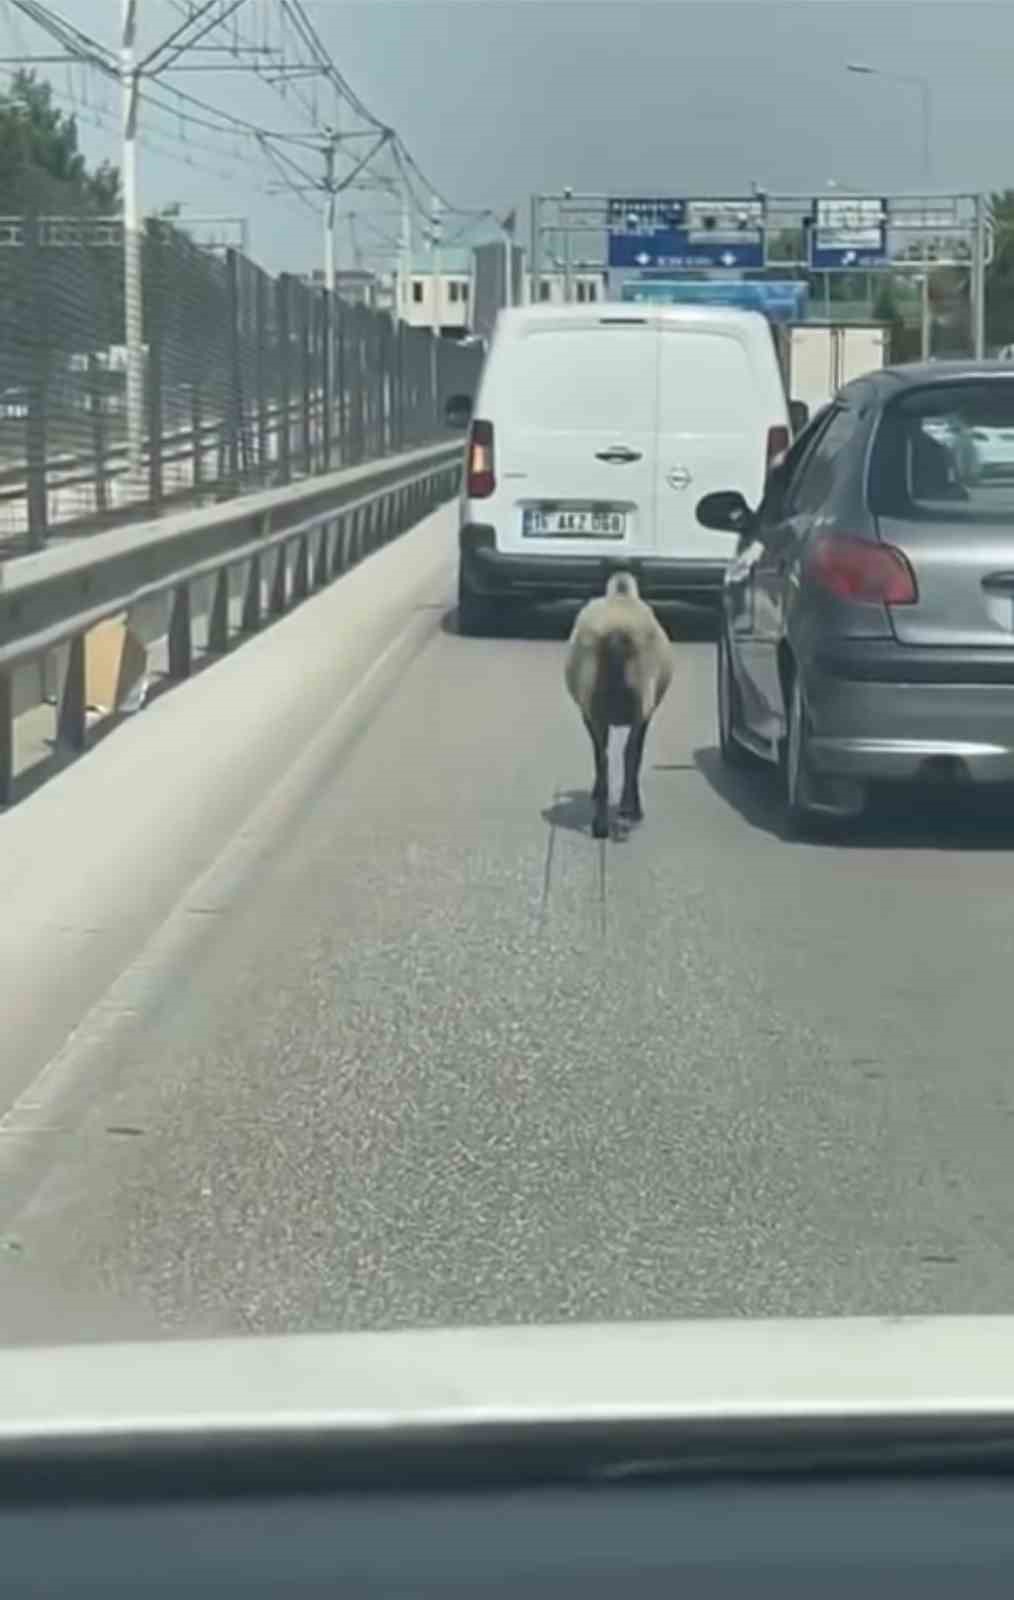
200	22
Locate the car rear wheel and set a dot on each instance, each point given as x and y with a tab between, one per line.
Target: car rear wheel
729	709
797	776
812	802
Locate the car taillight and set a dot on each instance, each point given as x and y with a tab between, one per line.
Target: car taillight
481	479
861	571
778	443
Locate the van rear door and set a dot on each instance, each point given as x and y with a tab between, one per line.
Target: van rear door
713	420
572	405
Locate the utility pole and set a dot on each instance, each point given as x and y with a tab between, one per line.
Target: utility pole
435	330
132	298
330	204
435	225
508	225
536	261
404	271
978	296
568	273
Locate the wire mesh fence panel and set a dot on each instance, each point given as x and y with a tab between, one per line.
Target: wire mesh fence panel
416	380
61	299
247	379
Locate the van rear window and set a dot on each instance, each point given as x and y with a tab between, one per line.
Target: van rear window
583	380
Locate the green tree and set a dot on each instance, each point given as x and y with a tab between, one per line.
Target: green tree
1000	274
904	340
40	159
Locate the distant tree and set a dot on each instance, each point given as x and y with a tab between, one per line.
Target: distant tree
905	341
1000	274
40	158
787	244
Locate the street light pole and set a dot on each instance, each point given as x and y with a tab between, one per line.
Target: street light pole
926	96
926	105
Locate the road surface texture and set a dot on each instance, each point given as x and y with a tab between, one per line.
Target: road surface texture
324	1011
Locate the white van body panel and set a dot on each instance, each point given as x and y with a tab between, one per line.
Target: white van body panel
616	420
720	391
560	390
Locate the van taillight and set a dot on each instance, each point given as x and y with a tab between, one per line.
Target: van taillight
481	479
778	443
861	571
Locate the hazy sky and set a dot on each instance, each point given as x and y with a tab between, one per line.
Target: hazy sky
497	98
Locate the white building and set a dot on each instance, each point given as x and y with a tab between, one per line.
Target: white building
451	291
586	287
424	297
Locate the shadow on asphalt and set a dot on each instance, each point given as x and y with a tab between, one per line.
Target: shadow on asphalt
901	817
683	624
754	793
572	810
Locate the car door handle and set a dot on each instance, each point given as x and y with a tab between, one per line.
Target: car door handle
619	453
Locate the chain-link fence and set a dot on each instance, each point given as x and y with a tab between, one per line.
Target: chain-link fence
248	379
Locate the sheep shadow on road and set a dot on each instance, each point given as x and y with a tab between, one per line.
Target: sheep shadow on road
572	810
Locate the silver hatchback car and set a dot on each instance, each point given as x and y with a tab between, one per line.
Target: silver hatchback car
867	627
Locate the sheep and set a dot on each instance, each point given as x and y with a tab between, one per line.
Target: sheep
619	666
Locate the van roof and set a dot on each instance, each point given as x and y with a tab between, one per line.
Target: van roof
518	318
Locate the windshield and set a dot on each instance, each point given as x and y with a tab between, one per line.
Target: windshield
468	856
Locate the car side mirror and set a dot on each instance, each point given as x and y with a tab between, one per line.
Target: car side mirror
726	511
458	411
799	415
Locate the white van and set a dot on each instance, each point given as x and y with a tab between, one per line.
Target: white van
595	432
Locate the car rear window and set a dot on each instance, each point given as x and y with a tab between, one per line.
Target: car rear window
947	452
584	380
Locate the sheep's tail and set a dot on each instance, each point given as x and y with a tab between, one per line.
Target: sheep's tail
622	583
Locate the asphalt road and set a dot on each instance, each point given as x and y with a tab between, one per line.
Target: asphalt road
438	1057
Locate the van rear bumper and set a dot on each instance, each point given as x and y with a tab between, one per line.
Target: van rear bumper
501	575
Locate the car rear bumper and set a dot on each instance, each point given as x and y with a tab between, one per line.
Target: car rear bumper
547	575
883	711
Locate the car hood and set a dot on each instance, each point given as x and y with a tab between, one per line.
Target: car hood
709	1375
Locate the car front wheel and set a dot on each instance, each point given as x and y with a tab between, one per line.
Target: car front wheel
729	710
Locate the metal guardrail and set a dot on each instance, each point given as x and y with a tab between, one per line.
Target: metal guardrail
54	598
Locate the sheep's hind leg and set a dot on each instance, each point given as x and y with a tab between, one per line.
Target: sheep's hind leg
600	790
630	800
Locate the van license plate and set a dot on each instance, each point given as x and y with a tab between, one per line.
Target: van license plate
539	524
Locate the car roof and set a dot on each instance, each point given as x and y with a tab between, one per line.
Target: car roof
883	385
929	372
631	311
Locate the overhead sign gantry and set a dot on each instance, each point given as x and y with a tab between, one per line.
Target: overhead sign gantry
679	233
652	235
